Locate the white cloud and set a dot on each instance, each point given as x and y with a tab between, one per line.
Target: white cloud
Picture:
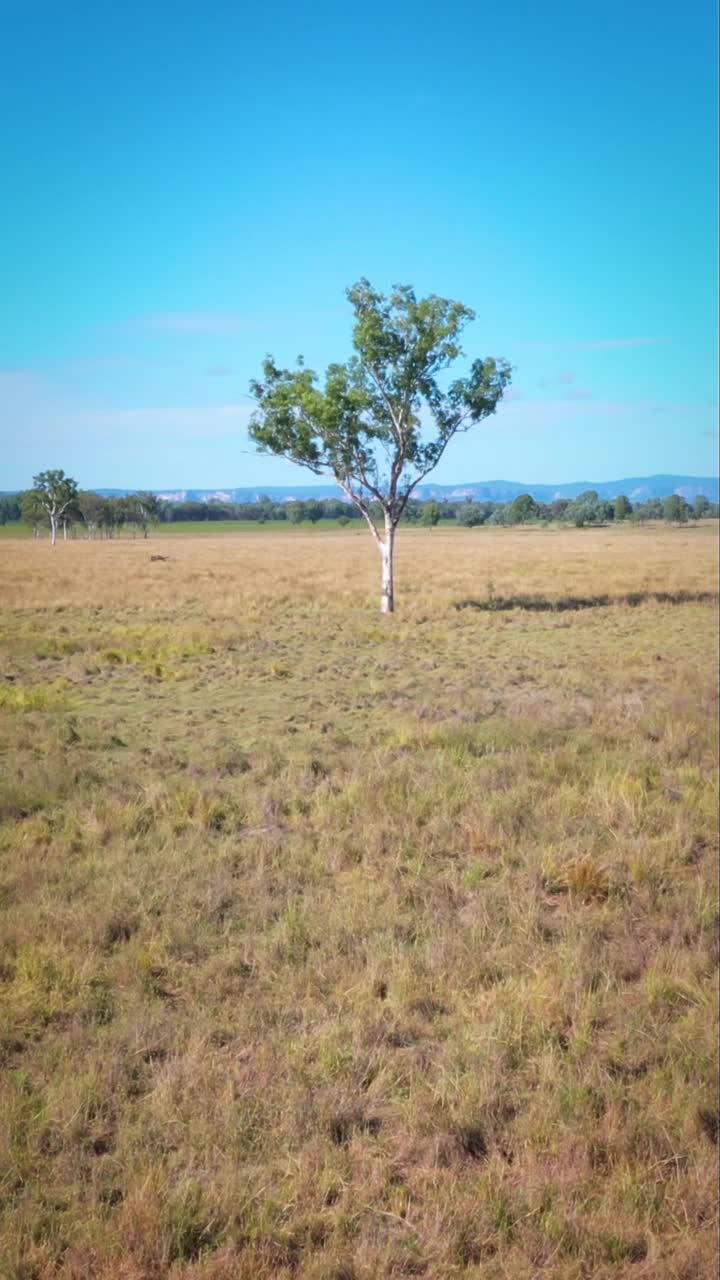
606	344
197	422
199	321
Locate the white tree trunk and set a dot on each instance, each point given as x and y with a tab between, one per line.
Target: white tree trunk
387	552
53	530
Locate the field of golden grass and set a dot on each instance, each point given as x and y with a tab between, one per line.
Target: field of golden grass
336	947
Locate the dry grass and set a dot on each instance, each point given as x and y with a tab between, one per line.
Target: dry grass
343	949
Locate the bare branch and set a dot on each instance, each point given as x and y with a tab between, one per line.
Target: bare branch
362	506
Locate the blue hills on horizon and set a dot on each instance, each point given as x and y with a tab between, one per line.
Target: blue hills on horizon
636	488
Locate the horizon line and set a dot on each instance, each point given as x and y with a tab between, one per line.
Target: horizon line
159	489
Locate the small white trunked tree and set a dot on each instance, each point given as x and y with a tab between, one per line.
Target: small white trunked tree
382	421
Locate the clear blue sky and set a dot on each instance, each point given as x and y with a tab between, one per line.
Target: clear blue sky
188	186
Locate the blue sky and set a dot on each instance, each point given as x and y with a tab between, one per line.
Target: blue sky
189	186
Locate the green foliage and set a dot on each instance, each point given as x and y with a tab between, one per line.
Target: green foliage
623	507
431	515
676	509
589	509
363	425
94	510
34	511
296	512
55	492
524	510
10	507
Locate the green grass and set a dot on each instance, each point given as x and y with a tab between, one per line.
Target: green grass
205	528
15	529
334	947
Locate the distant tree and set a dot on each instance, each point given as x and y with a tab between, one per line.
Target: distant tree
701	506
55	493
589	508
365	426
651	510
623	507
296	512
93	509
501	514
413	511
117	513
471	515
431	515
34	512
676	509
558	508
314	511
523	510
10	508
147	509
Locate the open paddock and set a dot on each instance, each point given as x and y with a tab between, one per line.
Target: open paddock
335	947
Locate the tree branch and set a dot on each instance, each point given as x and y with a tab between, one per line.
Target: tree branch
361	505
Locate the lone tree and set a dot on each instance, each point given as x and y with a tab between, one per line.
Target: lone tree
382	420
55	493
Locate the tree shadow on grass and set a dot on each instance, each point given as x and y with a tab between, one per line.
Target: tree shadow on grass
563	604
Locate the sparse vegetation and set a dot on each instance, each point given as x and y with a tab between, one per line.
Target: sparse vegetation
340	950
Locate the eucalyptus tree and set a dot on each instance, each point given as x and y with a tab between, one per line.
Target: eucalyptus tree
94	510
55	494
675	508
33	511
431	515
147	509
380	422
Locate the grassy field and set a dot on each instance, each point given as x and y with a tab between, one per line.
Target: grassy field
213	528
335	948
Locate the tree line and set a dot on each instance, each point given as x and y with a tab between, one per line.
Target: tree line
95	516
56	505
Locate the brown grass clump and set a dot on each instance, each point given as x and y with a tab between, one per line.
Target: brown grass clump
336	948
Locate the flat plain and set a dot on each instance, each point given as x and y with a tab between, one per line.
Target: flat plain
339	948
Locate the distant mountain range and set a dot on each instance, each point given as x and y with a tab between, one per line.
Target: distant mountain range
636	488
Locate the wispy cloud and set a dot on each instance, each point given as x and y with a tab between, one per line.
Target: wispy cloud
201	422
579	407
43	413
199	321
586	344
563	378
609	344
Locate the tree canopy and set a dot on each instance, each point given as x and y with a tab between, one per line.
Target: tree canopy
380	422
